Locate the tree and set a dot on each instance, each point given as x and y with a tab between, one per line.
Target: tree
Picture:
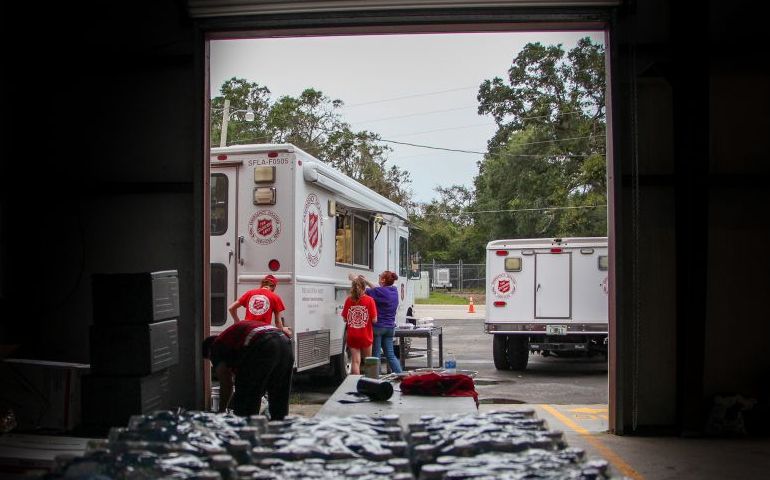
242	95
548	150
313	123
444	231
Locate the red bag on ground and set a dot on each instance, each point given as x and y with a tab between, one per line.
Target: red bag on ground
435	385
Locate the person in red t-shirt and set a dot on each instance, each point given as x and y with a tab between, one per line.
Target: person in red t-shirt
255	357
360	314
260	303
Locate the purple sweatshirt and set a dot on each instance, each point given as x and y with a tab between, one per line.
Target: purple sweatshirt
386	299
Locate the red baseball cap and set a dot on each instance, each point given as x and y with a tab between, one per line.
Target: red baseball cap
271	279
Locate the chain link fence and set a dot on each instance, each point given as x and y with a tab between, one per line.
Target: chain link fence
456	277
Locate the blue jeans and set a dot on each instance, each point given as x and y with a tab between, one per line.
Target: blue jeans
383	337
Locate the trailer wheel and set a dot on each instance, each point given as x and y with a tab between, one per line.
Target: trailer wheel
518	351
341	363
499	352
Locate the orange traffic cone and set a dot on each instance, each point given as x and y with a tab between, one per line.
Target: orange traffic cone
470	306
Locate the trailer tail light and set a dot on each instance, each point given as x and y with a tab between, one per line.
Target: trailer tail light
264	174
499	303
556	250
502	253
274	265
221	157
264	196
272	154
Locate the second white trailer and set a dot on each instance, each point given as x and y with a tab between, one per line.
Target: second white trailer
547	296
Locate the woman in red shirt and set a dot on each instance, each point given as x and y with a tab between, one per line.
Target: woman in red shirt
360	314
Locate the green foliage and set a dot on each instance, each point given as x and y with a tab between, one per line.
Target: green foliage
548	151
313	123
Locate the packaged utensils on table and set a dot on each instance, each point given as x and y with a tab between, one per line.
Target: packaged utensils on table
335	438
317	468
377	390
469	435
565	464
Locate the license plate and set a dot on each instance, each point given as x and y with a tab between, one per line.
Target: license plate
555	329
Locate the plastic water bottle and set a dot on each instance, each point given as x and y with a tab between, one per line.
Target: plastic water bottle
450	364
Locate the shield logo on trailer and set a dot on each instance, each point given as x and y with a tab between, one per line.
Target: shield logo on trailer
265	226
312	229
503	285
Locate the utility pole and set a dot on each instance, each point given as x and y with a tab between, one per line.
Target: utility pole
225	121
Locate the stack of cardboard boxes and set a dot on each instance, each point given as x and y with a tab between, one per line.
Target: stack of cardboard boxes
134	341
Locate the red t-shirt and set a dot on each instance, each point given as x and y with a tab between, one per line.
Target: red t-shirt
260	304
229	344
359	315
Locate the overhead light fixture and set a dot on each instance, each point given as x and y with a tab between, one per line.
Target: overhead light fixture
249	115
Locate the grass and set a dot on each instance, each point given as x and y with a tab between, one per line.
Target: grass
438	297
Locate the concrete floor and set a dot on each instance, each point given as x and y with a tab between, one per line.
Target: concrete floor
580	411
651	458
659	458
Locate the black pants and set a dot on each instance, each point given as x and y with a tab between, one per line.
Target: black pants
266	366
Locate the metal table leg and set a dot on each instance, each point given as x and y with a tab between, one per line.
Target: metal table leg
441	348
404	351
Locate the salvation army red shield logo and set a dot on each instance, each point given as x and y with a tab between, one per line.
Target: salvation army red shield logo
503	285
264	227
312	229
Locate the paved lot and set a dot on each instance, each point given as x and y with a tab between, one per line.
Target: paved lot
547	380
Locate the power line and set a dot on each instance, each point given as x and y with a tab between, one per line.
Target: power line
476	125
415	114
484	153
410	96
455	110
515	210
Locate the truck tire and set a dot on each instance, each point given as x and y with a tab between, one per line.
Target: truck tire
341	364
518	352
500	351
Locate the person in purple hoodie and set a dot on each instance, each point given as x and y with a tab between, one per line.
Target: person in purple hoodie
386	298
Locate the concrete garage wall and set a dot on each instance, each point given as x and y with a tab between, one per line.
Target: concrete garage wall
738	321
106	173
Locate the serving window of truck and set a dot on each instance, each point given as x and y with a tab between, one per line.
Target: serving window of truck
353	245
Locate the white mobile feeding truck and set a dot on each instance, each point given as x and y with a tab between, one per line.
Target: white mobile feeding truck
277	210
546	296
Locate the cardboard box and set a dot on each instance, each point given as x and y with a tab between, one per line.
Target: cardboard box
109	401
134	349
135	297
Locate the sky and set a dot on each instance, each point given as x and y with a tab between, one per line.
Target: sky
418	89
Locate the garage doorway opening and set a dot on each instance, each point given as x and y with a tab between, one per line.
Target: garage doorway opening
386	97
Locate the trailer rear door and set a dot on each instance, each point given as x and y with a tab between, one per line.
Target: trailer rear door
553	285
224	181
